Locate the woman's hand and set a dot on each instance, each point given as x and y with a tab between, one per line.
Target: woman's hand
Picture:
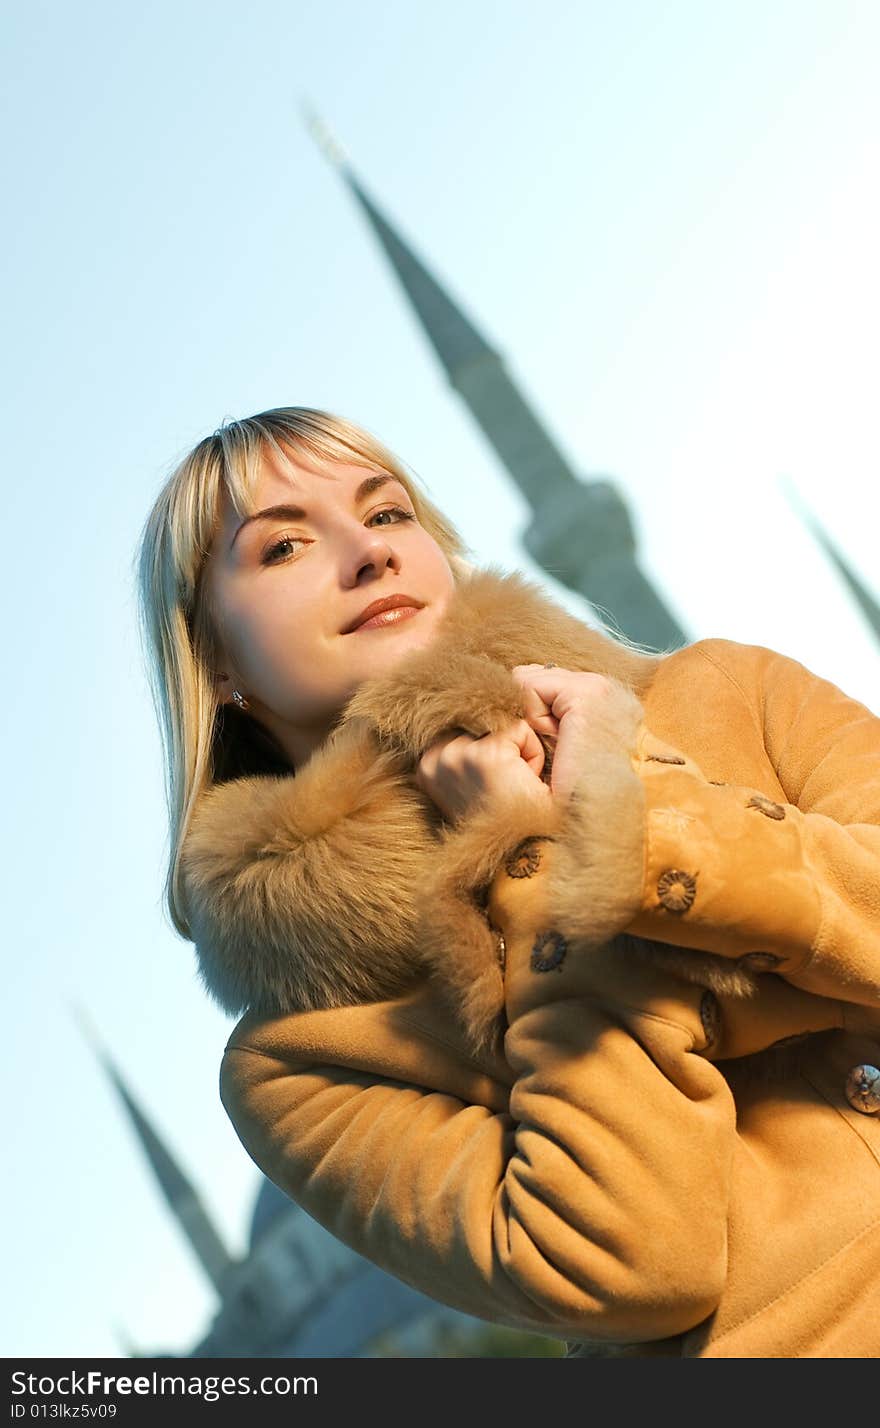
562	702
460	771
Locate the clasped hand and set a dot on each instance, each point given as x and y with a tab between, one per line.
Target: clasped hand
458	771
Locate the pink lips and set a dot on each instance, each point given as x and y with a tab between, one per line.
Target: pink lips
368	615
395	616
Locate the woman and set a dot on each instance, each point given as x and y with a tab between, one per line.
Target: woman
582	1044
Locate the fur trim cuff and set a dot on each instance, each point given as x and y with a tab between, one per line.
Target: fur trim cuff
595	887
457	940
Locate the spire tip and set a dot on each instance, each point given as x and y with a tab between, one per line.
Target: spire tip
324	138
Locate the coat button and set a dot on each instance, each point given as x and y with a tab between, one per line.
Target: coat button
863	1089
761	961
525	859
766	806
676	890
501	950
548	952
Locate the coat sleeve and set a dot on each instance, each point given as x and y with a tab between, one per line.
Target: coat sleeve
788	882
591	1203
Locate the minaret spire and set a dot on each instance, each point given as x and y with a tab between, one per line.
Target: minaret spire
581	532
176	1188
326	140
866	602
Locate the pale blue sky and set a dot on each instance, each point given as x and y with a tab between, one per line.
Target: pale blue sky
664	215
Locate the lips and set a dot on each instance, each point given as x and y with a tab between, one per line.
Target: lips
390	602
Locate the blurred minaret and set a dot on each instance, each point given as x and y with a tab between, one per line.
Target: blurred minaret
179	1193
298	1292
581	532
857	588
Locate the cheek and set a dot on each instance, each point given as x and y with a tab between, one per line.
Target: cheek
436	566
270	646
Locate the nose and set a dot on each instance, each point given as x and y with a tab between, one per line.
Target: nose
368	550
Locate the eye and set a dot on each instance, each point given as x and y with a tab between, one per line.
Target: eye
277	550
282	549
399	511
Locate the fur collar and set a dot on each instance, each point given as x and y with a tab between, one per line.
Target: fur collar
343	884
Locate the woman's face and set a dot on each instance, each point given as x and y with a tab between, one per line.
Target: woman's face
286	586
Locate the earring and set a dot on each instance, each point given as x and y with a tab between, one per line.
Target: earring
240	699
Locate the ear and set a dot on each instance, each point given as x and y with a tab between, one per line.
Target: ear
224	684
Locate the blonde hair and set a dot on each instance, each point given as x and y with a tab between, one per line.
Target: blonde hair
203	740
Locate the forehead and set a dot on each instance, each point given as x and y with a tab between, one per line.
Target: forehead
286	473
292	477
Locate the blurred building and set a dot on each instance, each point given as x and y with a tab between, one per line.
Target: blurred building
580	531
298	1292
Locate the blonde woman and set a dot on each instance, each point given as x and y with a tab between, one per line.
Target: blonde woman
557	961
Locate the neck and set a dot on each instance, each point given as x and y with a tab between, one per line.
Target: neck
298	743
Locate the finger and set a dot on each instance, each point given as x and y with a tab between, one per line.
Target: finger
449	736
430	759
529	669
535	754
541	680
564	689
536	710
530	747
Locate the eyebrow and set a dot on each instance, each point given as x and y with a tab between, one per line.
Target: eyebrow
296	513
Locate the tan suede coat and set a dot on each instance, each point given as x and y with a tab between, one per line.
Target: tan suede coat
606	1090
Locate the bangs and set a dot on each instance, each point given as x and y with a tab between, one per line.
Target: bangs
241	445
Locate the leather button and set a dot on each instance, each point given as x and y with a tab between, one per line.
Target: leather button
766	806
676	890
525	859
863	1089
710	1016
548	953
501	950
761	961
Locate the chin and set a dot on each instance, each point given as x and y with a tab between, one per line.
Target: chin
416	634
394	650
